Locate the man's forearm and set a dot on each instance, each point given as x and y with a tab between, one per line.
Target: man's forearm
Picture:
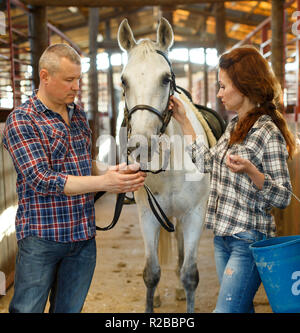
76	185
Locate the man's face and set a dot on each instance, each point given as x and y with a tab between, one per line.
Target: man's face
63	85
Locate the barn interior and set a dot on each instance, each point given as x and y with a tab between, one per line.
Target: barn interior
203	30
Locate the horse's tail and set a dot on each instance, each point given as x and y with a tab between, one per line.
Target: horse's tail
165	247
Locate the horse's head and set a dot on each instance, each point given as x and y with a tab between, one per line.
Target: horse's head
147	81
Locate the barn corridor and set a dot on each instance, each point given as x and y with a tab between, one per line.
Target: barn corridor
118	285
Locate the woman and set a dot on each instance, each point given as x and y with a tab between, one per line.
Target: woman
249	173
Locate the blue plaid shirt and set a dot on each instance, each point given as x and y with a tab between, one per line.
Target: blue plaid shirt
45	150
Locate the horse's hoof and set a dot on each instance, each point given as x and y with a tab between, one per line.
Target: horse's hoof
156	301
180	294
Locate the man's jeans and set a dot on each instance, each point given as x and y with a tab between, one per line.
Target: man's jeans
63	269
237	273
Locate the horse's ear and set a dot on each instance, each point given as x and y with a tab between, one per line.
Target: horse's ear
125	36
165	36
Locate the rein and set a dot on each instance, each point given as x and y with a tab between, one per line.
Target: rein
165	118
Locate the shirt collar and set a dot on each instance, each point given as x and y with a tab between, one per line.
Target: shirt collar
261	120
41	107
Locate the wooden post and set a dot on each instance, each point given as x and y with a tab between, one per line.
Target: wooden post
39	39
297	107
2	188
220	17
205	79
277	47
264	38
17	66
110	81
190	74
93	78
113	111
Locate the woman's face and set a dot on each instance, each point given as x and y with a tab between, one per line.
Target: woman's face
232	98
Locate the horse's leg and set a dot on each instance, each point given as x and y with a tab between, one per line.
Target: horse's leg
151	274
180	294
192	228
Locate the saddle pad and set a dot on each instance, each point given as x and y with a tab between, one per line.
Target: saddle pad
210	136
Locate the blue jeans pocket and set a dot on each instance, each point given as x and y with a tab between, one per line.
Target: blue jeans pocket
250	236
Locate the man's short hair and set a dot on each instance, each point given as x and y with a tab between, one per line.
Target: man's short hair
50	59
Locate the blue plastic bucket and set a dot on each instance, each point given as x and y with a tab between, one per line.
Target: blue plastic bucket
278	263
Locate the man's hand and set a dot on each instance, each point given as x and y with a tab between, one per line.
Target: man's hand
124	178
120	178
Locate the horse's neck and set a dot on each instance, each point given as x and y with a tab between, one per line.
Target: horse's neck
174	132
175	129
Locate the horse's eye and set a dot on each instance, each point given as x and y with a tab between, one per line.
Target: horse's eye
166	80
124	82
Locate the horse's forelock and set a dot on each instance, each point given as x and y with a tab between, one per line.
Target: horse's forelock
143	48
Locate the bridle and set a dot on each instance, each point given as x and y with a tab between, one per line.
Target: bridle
165	118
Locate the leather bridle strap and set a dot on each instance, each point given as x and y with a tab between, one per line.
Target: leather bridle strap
145	107
166	115
164	222
118	210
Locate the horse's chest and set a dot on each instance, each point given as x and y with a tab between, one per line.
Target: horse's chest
165	184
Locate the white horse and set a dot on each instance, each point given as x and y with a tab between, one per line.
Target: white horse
182	192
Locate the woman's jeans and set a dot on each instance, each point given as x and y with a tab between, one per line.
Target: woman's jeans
63	269
237	272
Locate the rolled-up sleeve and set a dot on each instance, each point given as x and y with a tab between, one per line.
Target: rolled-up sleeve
30	159
276	190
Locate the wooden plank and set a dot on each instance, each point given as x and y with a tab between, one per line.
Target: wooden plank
120	3
8	198
9	175
2	193
288	219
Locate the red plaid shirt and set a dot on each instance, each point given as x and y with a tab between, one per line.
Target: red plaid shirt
45	150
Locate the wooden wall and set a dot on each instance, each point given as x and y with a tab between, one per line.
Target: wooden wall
8	202
288	220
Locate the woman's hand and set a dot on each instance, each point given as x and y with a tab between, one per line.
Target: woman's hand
238	164
179	112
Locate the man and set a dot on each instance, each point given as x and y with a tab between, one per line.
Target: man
49	141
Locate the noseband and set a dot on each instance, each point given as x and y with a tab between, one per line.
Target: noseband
164	116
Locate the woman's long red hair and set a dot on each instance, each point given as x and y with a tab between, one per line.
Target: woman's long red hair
251	74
